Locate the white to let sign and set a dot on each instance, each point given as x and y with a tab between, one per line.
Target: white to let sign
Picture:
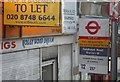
69	16
94	45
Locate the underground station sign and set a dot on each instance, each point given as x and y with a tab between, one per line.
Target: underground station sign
96	27
94	39
31	13
94	33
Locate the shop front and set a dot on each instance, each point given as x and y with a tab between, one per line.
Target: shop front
38	58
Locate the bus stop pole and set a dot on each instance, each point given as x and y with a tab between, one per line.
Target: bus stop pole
114	51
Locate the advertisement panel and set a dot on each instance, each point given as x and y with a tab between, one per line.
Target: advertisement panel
69	13
94	41
32	13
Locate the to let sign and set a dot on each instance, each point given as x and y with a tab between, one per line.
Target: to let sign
31	13
69	16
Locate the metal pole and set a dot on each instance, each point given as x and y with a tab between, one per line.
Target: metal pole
114	51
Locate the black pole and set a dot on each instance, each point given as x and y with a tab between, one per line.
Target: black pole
20	31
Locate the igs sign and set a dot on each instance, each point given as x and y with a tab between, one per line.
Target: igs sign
8	45
94	45
31	13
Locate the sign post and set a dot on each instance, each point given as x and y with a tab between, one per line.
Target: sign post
114	52
114	12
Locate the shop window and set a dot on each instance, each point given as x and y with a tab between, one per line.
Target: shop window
49	52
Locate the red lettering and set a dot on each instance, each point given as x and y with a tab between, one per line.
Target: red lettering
1	45
13	45
7	45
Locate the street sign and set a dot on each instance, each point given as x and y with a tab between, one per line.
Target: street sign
94	45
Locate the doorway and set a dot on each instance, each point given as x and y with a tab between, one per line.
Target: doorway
49	70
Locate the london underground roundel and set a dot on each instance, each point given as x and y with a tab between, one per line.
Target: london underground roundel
92	29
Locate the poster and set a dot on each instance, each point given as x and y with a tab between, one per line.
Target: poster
69	16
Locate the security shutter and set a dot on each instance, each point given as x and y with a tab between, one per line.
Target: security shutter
23	65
